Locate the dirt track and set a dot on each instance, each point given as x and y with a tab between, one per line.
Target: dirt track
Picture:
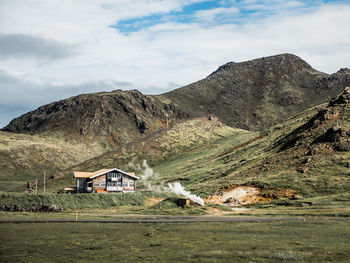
175	219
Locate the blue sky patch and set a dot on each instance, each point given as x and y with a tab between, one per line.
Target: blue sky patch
246	12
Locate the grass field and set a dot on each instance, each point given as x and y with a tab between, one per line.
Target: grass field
148	203
195	242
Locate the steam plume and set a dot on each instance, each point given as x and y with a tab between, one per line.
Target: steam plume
178	189
148	175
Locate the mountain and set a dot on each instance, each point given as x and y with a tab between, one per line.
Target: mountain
111	118
65	133
307	155
252	95
257	94
180	135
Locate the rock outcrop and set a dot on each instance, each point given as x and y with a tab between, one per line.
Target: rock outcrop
326	131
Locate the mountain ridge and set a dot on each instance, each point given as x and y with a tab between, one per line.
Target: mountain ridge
251	95
259	93
113	117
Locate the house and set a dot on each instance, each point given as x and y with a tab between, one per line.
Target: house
105	180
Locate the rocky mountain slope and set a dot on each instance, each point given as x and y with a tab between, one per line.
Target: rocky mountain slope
257	94
112	118
250	95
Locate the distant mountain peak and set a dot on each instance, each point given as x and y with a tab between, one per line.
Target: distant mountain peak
283	61
258	93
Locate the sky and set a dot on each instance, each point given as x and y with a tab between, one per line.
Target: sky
54	49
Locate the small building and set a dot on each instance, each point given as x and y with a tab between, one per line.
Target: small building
104	181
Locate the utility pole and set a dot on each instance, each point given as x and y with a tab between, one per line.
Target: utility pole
36	186
44	182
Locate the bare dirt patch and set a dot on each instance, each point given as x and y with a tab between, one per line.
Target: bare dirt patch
245	195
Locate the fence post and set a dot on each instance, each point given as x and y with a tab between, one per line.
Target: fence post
44	183
36	186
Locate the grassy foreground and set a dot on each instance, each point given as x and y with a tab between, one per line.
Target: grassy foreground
199	242
154	203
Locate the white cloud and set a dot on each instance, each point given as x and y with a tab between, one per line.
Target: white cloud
210	15
261	5
155	58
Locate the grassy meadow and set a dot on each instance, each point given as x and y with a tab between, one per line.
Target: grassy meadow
152	203
324	241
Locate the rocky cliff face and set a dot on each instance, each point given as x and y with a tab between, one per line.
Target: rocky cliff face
259	93
116	116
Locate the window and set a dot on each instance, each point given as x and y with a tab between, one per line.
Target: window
96	184
115	175
119	184
131	184
125	184
103	185
114	184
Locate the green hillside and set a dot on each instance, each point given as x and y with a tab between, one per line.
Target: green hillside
201	134
307	154
24	157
